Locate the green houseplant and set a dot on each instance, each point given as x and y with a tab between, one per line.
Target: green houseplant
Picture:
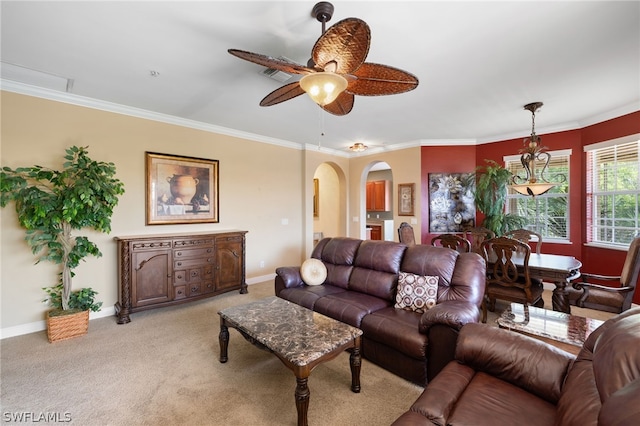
50	204
492	182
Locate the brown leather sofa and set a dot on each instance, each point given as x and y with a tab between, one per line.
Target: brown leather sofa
360	290
500	377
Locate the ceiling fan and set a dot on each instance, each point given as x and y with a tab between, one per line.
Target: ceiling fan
337	70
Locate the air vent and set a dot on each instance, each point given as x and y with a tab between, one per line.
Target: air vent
278	75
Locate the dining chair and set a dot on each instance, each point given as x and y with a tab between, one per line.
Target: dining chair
406	235
505	281
452	241
585	294
526	236
476	236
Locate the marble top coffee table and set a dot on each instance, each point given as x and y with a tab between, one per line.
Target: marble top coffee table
563	330
299	337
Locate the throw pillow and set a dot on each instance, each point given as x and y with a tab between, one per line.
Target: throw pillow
313	272
416	292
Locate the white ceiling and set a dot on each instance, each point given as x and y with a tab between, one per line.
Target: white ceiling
478	64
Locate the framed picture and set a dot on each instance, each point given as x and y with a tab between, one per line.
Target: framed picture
452	207
316	198
406	196
181	189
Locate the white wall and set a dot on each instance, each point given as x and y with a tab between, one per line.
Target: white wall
257	192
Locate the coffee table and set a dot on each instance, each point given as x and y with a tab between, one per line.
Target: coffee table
299	337
562	330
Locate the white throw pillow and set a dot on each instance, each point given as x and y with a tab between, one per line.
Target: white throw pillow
416	292
313	272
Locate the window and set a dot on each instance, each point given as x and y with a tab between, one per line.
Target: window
613	191
547	214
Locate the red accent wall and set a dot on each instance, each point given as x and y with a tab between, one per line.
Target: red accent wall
441	159
466	158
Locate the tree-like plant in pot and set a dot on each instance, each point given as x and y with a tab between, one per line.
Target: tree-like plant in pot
50	204
492	183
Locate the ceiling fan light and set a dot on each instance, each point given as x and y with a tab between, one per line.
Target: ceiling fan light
323	87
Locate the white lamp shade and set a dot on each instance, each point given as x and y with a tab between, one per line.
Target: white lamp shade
533	189
323	87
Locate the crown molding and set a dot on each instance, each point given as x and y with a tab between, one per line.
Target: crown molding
70	98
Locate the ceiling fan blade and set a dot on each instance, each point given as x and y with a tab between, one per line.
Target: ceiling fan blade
342	105
270	62
347	43
281	94
376	80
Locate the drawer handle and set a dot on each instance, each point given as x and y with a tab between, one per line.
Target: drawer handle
179	263
179	291
179	276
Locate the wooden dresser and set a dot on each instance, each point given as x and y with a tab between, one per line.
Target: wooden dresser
167	269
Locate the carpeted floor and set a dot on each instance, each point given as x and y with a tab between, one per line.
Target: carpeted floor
163	368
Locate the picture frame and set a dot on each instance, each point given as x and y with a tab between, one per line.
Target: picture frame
406	199
181	189
452	207
316	197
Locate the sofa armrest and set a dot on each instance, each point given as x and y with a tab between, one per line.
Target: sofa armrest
520	360
439	398
454	313
287	277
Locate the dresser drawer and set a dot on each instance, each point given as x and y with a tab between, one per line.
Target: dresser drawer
191	253
190	263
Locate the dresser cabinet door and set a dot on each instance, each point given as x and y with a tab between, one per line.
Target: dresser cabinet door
151	278
229	262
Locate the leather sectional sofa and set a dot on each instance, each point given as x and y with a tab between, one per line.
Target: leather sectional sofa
360	290
500	377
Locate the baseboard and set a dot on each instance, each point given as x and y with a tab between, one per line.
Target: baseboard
36	326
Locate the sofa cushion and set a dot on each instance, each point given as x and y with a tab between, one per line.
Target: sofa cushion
349	306
488	400
396	328
338	255
416	292
308	295
376	268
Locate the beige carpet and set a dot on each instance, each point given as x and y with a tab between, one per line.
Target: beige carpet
163	368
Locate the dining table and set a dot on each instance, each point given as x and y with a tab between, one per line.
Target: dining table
555	268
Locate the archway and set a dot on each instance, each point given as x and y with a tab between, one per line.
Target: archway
330	202
377	210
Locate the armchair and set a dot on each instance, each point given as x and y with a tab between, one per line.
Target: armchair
586	294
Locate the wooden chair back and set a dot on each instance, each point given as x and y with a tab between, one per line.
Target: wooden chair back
478	235
406	235
452	241
526	236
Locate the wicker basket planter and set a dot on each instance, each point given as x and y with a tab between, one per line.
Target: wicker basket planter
62	327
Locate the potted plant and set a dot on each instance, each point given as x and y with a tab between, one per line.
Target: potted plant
492	182
50	204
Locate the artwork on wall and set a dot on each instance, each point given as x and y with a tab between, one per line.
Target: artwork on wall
316	198
406	193
181	189
452	206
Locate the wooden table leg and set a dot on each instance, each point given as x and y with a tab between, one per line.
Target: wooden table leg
302	400
355	361
223	338
560	298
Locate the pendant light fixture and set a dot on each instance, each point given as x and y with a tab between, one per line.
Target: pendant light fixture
535	161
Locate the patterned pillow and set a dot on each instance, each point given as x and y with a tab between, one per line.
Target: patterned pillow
416	292
313	272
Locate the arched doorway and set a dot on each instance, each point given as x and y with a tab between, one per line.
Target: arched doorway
330	204
378	217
